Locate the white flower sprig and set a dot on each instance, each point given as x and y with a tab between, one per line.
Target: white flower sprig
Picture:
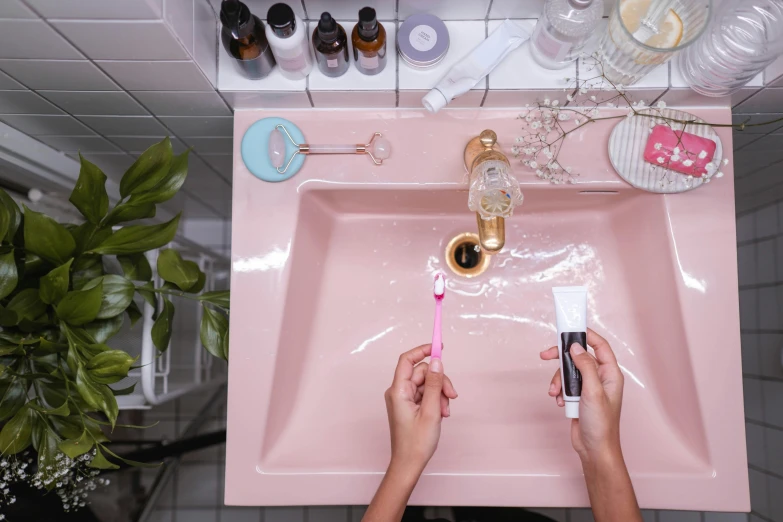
71	479
547	125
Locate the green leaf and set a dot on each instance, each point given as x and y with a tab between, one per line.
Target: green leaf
61	410
146	291
161	330
97	395
80	306
76	447
124	391
8	317
100	462
130	211
47	238
199	286
136	267
220	298
8	274
149	170
15	216
48	347
214	328
17	432
34	265
117	294
110	366
133	462
86	268
27	304
168	186
139	238
54	285
105	329
134	313
89	195
174	269
12	396
47	453
5	220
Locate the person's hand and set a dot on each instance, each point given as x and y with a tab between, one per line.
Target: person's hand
596	433
416	402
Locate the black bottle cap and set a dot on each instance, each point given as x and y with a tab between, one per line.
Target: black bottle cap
368	24
281	19
236	17
327	28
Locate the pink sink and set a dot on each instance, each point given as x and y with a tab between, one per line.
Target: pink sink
332	280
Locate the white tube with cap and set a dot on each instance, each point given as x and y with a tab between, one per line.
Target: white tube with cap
571	311
475	66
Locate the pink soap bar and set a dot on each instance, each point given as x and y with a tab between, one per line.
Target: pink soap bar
678	150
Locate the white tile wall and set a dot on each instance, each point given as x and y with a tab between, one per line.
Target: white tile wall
66	75
122	40
156	75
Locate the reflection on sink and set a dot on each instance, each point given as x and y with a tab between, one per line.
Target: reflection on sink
361	266
332	280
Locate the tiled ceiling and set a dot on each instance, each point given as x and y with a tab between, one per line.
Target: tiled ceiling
109	78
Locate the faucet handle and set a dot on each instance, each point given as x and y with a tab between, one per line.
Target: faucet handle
494	192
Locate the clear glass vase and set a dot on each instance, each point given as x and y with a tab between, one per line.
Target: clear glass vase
744	38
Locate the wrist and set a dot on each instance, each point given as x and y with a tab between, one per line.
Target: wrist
608	458
404	473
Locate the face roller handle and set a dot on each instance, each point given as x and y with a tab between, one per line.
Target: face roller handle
378	149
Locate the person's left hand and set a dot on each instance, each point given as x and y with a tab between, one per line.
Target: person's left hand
416	402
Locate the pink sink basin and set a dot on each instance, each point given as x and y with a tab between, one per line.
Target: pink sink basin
332	277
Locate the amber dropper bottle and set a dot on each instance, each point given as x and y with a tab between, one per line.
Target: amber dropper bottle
330	44
369	43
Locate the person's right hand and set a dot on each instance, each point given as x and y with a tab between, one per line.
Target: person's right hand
596	432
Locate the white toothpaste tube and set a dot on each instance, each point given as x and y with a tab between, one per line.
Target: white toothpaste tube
571	310
475	66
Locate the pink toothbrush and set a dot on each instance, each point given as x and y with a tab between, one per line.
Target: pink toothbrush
439	291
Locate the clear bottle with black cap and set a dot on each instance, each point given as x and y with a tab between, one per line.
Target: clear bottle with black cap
330	44
369	43
244	40
287	37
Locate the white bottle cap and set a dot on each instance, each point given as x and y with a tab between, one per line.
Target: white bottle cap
572	409
434	101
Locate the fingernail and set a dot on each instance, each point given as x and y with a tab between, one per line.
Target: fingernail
436	366
576	349
551	387
448	411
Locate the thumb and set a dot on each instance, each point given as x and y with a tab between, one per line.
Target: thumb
585	363
433	387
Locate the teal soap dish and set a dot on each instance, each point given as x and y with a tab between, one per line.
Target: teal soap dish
255	150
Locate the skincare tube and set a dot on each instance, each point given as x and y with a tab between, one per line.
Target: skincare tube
571	310
476	65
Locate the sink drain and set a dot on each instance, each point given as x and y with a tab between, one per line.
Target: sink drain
464	255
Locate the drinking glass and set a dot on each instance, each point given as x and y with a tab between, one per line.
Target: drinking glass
626	60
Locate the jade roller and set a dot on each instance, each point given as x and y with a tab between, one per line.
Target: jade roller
378	149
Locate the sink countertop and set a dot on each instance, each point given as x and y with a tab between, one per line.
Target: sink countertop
314	343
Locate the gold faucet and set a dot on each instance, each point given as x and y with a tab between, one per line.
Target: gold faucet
493	191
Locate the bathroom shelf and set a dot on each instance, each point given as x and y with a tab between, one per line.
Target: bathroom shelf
415	82
517	81
354	89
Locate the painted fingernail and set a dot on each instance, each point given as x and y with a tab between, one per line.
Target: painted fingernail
436	366
577	349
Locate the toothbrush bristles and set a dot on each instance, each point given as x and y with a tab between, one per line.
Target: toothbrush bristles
440	286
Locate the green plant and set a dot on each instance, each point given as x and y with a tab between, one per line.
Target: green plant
60	306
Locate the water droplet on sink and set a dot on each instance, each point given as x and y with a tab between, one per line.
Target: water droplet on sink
477	248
